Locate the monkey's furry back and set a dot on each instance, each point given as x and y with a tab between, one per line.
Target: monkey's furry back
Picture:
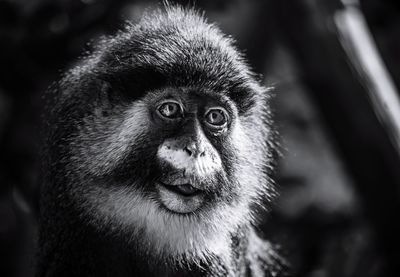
176	42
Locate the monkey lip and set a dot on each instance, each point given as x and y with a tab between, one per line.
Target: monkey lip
184	189
180	198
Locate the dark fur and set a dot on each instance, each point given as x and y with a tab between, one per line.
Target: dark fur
172	49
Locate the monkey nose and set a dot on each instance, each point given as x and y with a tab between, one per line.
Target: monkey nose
194	150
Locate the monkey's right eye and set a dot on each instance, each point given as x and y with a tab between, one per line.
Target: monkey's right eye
170	110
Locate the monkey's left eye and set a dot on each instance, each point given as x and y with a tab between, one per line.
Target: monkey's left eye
170	110
217	117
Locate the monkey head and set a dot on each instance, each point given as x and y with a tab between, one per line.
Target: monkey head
162	136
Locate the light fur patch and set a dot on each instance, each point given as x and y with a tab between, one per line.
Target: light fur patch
193	238
201	166
106	141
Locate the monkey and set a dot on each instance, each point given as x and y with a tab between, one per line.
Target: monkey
158	152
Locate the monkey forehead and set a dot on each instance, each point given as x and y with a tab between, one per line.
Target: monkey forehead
184	49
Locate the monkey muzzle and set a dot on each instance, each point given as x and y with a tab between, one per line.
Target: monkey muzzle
187	173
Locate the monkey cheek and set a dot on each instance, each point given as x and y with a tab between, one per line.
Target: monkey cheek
178	203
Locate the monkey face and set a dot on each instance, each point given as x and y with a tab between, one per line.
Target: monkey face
162	136
192	126
184	149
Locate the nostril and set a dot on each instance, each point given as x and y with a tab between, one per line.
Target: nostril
202	154
190	152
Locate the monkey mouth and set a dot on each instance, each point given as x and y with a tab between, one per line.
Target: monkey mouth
184	189
180	198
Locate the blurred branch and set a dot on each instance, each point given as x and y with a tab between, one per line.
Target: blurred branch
364	56
310	31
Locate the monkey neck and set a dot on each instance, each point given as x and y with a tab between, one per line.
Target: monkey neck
70	249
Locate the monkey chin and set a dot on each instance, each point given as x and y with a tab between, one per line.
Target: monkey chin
166	226
180	199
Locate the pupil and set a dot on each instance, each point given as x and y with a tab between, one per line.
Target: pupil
216	117
169	110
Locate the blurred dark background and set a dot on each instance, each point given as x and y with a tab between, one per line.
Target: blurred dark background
339	168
